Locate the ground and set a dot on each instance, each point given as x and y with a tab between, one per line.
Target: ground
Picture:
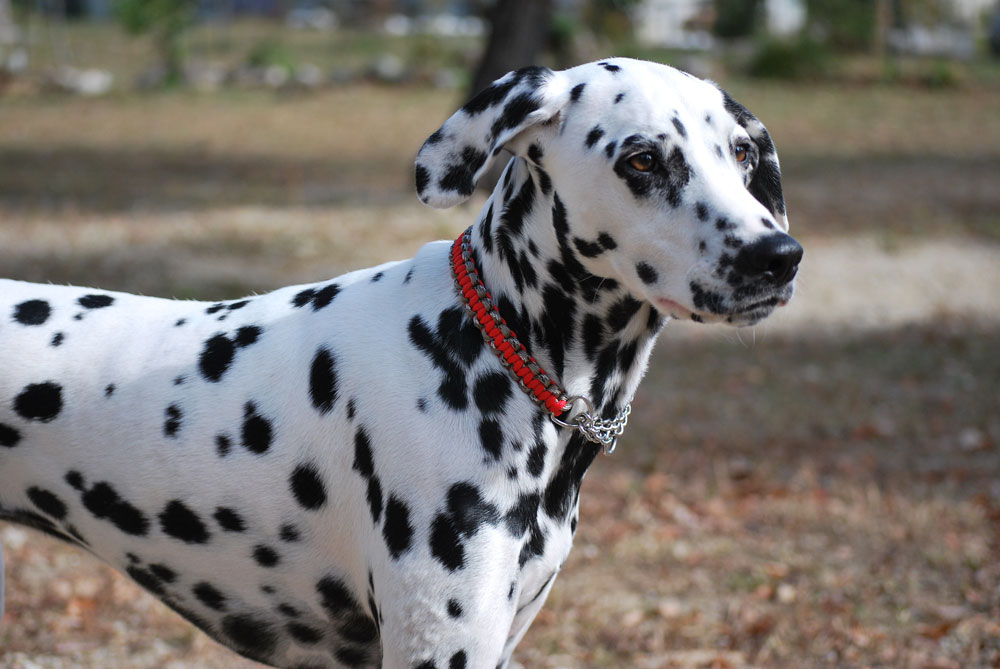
821	490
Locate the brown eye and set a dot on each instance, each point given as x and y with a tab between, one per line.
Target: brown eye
741	152
642	162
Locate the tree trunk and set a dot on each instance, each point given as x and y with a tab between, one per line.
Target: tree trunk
519	32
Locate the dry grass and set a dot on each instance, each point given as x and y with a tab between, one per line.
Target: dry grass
823	496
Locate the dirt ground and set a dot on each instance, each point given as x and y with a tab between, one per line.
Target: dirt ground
819	491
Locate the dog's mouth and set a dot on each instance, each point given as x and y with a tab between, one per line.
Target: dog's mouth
715	308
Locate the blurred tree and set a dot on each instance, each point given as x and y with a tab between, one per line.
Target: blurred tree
519	31
736	18
610	18
166	20
844	25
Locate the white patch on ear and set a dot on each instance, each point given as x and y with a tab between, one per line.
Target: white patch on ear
452	160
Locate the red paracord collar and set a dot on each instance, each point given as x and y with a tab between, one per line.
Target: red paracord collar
532	378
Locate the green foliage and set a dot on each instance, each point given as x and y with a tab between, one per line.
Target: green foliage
166	20
270	52
735	18
804	58
845	25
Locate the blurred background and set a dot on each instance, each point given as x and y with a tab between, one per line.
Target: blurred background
820	490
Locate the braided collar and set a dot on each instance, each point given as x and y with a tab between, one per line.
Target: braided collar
532	379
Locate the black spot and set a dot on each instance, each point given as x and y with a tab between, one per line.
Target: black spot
454	608
586	248
57	339
619	97
536	458
304	633
252	637
288	610
706	299
576	92
593	136
491	392
146	579
722	224
358	628
9	436
307	487
229	520
182	523
646	273
607	241
222	445
256	431
104	502
32	312
397	531
422	404
303	297
172	423
680	127
768	223
319	298
215	308
565	482
621	313
323	381
210	596
109	390
534	546
246	335
535	154
336	598
701	211
459	176
39	401
522	514
409	275
609	149
466	512
514	112
74	479
613	69
488	97
289	533
216	356
351	656
422	178
351	409
491	437
95	301
377	277
265	556
180	322
457	660
47	502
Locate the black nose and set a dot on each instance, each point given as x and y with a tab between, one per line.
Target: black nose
774	258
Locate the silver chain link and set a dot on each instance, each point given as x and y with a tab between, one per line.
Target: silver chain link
603	431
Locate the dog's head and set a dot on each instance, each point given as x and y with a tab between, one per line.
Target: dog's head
668	185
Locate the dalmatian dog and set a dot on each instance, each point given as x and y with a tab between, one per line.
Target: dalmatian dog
345	474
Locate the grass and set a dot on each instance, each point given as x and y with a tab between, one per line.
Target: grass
824	496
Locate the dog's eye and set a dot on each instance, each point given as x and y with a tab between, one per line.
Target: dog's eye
742	152
642	162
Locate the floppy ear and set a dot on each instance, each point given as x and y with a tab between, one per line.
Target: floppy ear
452	159
766	182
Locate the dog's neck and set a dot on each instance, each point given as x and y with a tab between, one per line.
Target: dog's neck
586	331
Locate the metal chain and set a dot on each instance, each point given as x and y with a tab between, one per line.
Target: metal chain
604	431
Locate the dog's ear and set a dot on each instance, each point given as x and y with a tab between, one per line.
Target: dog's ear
452	159
766	182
